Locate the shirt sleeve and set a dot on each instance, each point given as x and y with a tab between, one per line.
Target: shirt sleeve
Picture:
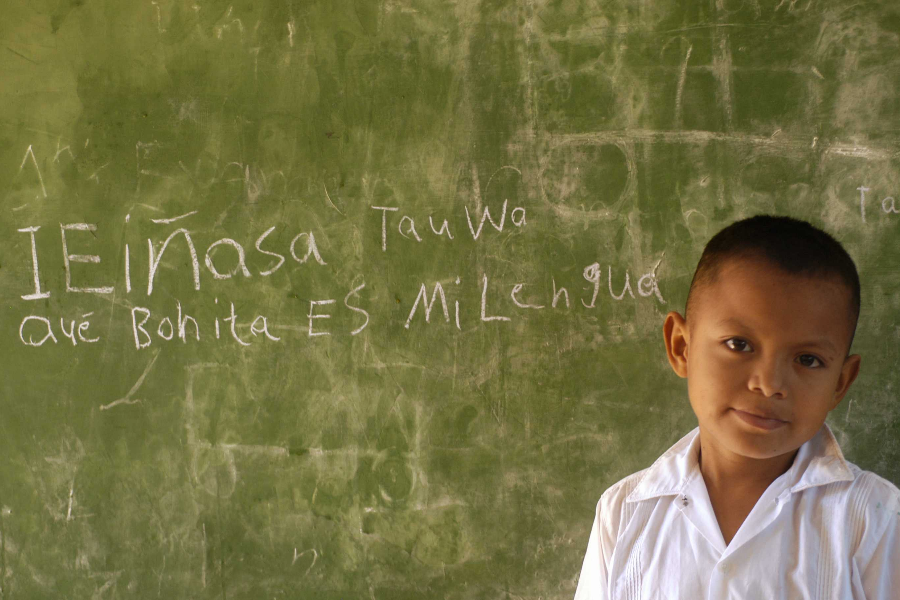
594	579
881	572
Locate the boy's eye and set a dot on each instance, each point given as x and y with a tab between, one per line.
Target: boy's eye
736	344
810	356
807	360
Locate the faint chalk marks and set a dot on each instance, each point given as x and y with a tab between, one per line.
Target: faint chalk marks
491	178
680	91
211	467
696	222
112	578
60	150
782	145
71	496
159	27
127	399
730	6
95	174
396	479
58	484
30	152
792	5
525	58
212	464
298	555
722	69
330	202
173	219
256	449
580	163
227	26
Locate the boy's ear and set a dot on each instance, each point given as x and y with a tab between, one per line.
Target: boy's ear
849	371
677	337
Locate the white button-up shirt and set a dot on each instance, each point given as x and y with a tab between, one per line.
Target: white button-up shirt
823	530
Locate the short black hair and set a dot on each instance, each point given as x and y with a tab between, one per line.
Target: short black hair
794	246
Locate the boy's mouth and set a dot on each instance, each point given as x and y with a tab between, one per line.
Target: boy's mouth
758	420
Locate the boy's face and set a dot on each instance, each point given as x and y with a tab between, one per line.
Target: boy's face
766	343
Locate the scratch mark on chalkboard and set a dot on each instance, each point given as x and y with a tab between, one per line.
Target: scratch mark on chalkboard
173	219
849	406
159	580
255	52
722	67
818	74
329	200
203	565
127	399
71	495
18	126
18	208
620	374
476	187
19	54
680	90
30	152
94	174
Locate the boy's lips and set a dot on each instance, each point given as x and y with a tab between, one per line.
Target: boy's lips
757	419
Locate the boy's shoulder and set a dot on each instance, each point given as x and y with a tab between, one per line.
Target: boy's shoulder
869	494
871	497
664	476
872	491
614	503
864	482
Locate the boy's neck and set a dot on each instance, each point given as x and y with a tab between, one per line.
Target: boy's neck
723	470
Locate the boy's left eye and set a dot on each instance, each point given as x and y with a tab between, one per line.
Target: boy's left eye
810	356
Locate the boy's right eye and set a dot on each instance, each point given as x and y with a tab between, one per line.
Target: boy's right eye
736	344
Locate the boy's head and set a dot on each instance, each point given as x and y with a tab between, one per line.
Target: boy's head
765	340
792	246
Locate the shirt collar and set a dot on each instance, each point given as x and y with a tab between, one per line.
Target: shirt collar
819	461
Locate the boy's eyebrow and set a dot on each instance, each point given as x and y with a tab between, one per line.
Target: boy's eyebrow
821	342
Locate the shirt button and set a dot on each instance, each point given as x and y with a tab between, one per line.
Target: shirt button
724	567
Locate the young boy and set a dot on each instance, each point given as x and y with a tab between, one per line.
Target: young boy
758	501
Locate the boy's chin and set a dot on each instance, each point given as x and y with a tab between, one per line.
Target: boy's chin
755	443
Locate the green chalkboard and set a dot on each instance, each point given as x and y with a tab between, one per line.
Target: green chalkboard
363	299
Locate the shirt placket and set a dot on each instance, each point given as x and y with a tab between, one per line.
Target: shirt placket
695	505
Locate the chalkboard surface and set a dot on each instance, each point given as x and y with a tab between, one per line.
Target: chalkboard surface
353	299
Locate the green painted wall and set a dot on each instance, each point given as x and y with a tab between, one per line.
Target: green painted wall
458	458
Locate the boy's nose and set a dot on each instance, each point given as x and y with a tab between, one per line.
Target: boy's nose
768	378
